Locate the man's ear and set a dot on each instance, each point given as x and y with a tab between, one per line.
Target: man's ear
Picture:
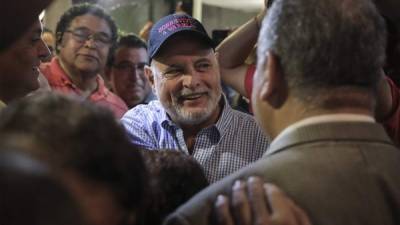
148	72
274	89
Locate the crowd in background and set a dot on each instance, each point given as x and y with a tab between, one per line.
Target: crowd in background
99	127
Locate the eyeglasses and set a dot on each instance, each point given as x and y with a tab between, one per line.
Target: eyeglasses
83	35
129	67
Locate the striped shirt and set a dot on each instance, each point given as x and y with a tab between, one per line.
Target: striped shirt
230	144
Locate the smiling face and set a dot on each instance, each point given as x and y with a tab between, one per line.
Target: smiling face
187	81
127	75
19	64
80	56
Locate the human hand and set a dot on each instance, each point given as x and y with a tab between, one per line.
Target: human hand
145	31
255	203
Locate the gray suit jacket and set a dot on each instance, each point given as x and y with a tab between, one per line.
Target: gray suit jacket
340	173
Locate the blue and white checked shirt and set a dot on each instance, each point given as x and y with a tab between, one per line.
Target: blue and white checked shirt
232	143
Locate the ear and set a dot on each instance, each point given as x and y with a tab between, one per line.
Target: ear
148	72
274	89
216	55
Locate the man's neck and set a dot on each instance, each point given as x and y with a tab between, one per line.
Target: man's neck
290	116
86	82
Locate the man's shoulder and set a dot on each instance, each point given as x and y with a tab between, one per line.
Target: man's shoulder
143	124
243	120
108	96
153	107
153	111
298	171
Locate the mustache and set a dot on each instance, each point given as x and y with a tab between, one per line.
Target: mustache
188	92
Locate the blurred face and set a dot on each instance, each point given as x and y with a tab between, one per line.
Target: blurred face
85	45
19	64
127	75
96	200
187	81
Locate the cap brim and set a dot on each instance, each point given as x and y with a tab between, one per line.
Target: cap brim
27	12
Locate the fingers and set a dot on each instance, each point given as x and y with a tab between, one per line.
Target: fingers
260	212
283	210
222	213
256	203
240	204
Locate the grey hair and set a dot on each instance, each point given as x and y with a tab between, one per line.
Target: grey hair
324	44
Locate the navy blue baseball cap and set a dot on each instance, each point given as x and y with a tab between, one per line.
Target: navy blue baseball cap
172	24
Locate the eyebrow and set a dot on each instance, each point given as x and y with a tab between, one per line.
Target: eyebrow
174	66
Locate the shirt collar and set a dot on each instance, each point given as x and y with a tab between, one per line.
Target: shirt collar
339	117
59	74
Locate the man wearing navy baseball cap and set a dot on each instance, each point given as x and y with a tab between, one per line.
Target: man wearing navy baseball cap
191	114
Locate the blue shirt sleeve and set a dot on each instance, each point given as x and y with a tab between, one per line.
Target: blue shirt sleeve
138	129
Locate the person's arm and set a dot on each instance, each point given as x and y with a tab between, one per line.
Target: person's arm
388	108
136	123
255	203
145	31
384	102
233	51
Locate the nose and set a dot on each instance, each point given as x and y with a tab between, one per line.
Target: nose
90	43
190	79
134	74
42	50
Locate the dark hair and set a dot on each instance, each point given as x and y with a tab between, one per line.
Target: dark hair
324	45
79	136
126	40
28	187
174	179
79	10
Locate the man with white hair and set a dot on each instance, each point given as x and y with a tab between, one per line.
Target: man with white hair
191	114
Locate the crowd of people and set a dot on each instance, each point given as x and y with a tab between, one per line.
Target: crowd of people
102	128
